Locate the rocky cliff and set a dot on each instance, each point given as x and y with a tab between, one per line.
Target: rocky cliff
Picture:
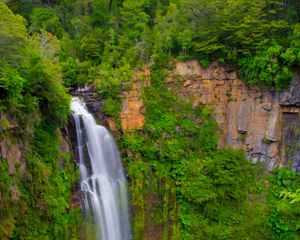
265	123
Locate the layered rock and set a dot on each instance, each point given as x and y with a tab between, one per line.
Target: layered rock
265	123
249	118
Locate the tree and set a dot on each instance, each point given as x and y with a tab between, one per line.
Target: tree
46	19
13	37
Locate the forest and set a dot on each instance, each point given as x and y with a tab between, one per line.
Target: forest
49	47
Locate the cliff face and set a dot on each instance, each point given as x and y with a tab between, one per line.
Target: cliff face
30	176
132	113
266	124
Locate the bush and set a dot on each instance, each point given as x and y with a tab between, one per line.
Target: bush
269	68
111	107
11	85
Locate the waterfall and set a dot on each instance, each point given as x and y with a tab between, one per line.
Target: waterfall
103	184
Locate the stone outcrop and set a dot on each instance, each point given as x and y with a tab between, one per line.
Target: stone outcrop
265	123
249	118
132	113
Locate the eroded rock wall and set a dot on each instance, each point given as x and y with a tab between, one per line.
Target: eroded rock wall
265	123
132	113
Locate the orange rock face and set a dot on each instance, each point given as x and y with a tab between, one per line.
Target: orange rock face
132	113
248	117
132	116
263	123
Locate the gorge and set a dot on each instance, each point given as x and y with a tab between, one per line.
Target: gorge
149	119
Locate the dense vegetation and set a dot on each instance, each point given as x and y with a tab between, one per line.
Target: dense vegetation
35	194
199	191
103	39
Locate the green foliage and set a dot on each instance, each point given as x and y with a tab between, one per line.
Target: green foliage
134	17
215	194
50	187
40	196
169	136
294	197
178	146
271	67
91	46
36	190
46	19
204	62
180	182
111	107
247	34
34	83
108	84
12	35
11	85
294	37
284	218
71	72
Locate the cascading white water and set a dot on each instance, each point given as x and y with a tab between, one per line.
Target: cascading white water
103	183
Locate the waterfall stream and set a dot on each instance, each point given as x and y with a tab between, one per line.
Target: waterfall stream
103	184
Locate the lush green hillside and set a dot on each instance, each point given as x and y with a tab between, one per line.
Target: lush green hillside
199	191
36	194
260	37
